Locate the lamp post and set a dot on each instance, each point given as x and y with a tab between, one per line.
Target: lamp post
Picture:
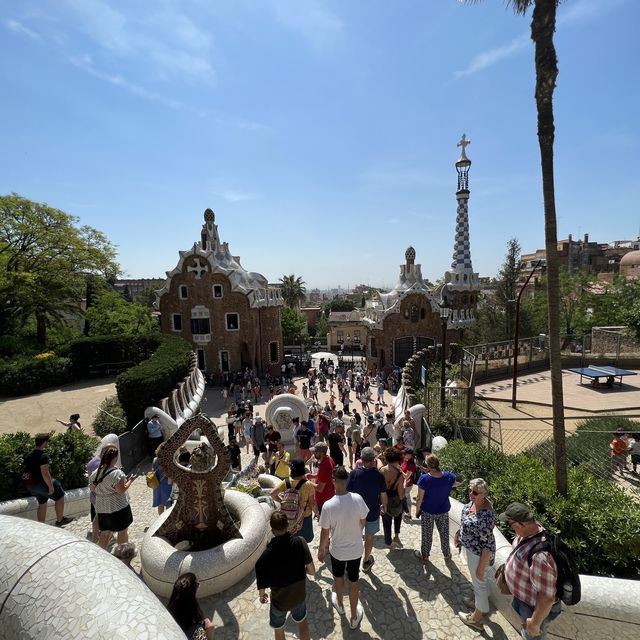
444	317
516	337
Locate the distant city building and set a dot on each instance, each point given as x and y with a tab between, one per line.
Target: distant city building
347	331
137	286
312	315
229	314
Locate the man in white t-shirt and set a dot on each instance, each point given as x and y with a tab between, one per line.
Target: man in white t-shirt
343	518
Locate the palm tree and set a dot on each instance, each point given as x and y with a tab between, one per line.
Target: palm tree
293	290
543	26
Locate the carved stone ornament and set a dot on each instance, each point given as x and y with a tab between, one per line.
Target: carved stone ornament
199	515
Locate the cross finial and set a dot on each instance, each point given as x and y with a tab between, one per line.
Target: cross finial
464	143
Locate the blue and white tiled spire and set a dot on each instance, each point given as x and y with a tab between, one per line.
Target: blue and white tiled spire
461	283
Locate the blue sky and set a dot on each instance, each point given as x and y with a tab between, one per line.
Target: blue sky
322	133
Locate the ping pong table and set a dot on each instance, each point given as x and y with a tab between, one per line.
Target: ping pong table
595	373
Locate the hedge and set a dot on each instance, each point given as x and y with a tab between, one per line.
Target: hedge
22	376
110	418
68	452
598	520
150	381
588	446
91	355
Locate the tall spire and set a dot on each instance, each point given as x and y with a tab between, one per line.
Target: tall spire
461	283
209	238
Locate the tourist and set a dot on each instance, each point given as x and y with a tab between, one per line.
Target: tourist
272	437
634	449
368	482
279	463
282	568
110	485
231	424
73	424
336	441
409	470
247	426
303	441
433	505
342	520
306	500
476	537
370	432
618	446
357	444
409	435
41	485
323	479
394	485
161	493
381	392
533	585
305	390
125	552
111	439
258	439
235	453
323	424
184	608
154	431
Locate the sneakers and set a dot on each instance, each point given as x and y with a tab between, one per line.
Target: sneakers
470	622
336	605
65	520
355	622
469	602
397	542
367	564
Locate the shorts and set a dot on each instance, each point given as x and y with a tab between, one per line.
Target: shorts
257	450
93	512
305	454
117	521
371	527
277	618
306	531
352	567
41	492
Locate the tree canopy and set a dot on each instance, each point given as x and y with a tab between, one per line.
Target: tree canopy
45	259
293	290
293	325
111	314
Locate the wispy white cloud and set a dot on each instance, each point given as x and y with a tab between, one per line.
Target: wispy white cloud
310	18
18	27
231	195
574	13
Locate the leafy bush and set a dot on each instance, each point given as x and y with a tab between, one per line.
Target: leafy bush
588	446
27	375
69	453
110	418
151	380
597	520
89	355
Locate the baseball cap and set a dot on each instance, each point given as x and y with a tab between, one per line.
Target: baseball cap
517	512
368	454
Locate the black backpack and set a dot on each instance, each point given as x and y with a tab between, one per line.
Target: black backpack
568	582
381	432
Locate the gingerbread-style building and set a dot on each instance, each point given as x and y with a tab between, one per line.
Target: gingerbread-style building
229	314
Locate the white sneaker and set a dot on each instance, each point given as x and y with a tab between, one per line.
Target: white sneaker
355	622
336	605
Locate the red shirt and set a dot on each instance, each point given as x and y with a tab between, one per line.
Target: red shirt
325	474
526	582
408	466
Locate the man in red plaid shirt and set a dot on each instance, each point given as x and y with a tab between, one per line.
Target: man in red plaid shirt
533	587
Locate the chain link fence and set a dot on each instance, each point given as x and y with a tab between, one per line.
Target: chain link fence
587	443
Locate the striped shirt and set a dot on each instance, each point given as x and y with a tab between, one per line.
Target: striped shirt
108	500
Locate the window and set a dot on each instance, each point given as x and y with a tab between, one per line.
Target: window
340	337
200	325
232	321
201	360
183	291
176	320
273	352
217	291
356	336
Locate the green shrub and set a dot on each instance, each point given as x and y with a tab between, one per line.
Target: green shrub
110	418
597	520
68	452
90	355
150	381
26	375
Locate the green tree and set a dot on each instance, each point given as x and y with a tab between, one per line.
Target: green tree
322	328
111	314
293	290
45	259
293	325
543	26
341	304
508	288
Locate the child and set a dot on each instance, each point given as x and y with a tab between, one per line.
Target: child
408	467
618	446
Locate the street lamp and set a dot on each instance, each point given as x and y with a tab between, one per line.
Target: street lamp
516	337
444	317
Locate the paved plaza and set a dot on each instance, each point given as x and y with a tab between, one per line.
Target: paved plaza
400	598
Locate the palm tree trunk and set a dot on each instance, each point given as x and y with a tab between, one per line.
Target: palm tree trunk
543	26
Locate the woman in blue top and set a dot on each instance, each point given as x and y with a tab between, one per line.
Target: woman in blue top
162	493
432	501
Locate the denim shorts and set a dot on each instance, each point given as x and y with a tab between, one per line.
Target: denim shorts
306	531
371	528
41	492
526	611
277	618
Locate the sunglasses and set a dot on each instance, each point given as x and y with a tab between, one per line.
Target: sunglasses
473	492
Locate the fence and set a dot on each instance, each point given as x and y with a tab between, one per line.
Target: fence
614	343
453	405
587	442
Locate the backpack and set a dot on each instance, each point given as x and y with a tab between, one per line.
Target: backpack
568	582
381	432
290	505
